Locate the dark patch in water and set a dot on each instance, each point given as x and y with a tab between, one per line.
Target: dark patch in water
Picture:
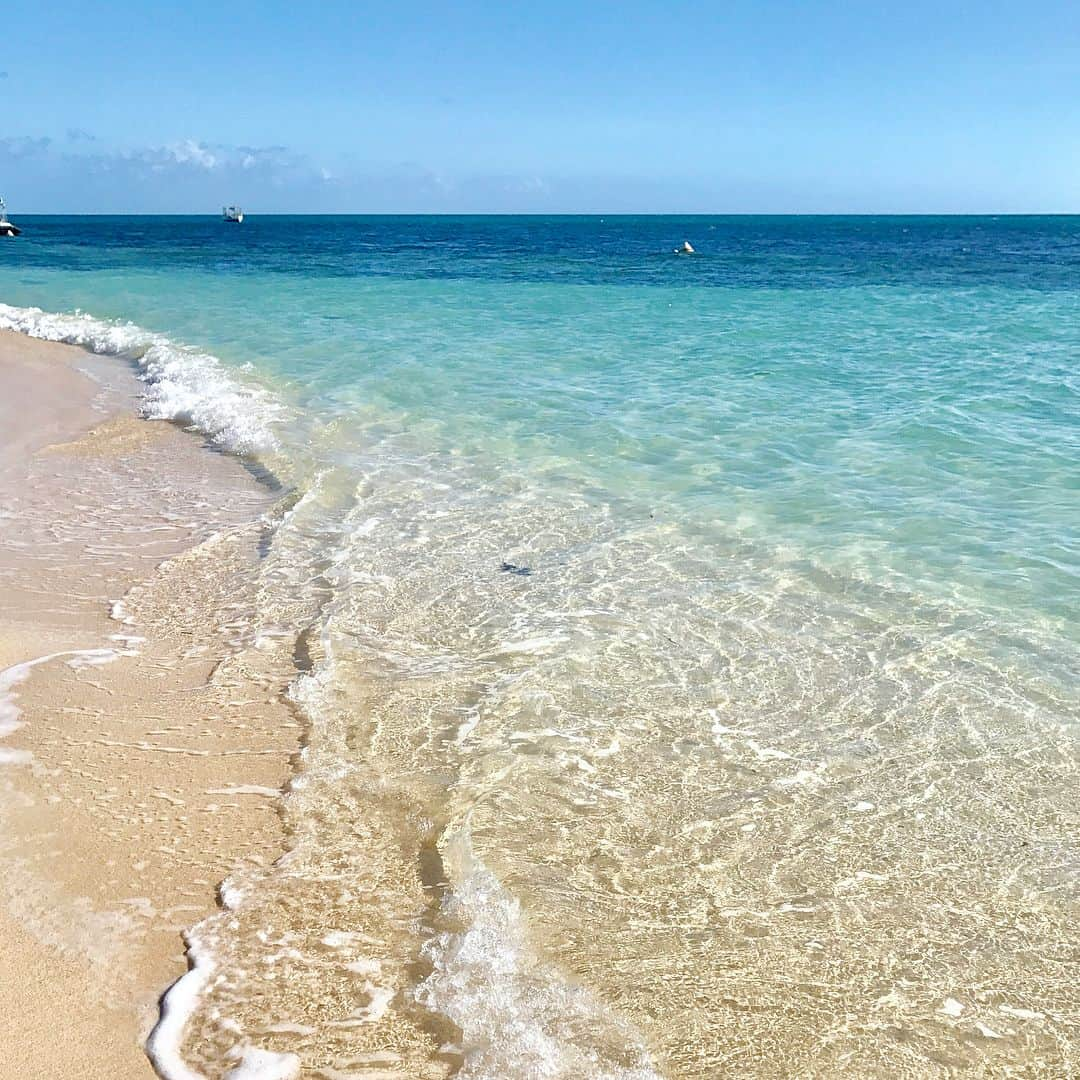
513	568
302	658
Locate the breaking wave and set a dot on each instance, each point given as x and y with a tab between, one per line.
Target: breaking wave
183	384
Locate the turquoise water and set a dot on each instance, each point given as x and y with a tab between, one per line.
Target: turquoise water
891	398
675	595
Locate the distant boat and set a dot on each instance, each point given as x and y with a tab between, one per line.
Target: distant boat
232	213
6	228
685	248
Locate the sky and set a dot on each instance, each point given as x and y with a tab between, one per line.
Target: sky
744	106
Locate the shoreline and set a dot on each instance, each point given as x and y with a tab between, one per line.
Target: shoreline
139	763
681	848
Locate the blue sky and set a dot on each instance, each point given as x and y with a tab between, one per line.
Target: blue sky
551	106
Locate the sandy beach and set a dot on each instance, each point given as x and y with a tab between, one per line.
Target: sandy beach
141	758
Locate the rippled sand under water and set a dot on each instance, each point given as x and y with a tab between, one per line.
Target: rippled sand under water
587	797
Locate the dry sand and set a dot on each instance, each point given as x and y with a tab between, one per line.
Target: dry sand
140	776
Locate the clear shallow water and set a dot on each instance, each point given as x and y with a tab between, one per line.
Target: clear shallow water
709	624
893	395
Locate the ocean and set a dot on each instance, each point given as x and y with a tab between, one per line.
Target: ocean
690	643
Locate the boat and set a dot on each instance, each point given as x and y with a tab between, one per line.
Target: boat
234	214
685	248
6	228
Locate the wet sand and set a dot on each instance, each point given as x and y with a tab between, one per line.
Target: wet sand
140	755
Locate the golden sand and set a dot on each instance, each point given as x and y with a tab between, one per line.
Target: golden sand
147	761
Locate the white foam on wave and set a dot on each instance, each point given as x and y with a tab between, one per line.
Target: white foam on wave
518	1015
256	1064
163	1047
182	384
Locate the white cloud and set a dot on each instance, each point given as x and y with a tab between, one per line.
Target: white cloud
190	152
81	173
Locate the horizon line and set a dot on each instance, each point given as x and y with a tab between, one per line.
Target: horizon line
563	213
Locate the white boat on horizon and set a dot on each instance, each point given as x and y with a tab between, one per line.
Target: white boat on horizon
234	214
6	228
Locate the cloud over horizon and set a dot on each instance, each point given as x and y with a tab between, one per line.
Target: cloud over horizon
81	173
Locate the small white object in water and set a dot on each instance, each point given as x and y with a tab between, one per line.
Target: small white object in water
256	1064
685	248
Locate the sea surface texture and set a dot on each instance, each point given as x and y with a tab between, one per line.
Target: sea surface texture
687	646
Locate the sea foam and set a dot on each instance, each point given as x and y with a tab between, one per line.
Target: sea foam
164	1044
518	1015
183	384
